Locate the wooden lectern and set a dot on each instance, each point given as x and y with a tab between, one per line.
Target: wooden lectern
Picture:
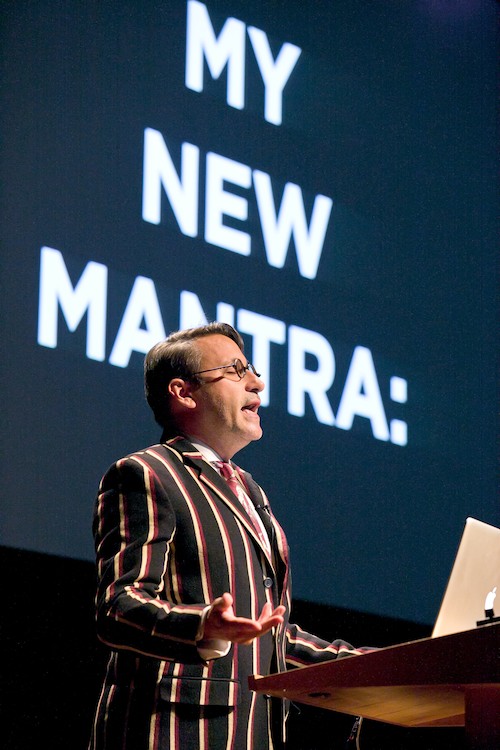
449	681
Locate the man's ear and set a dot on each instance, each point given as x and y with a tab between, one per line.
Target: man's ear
182	392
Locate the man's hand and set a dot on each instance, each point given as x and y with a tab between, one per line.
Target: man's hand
222	623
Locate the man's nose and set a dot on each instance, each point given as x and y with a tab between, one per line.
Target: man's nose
254	382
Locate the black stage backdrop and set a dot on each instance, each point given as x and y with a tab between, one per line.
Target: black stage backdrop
324	175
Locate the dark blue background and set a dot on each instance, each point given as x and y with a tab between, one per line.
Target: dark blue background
392	113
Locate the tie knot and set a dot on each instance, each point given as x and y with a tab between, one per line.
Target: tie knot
225	469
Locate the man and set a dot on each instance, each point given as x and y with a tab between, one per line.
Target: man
194	583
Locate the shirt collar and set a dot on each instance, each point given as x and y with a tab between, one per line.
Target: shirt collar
206	451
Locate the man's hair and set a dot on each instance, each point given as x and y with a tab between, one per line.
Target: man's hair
177	356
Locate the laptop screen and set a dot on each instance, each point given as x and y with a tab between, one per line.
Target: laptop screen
474	580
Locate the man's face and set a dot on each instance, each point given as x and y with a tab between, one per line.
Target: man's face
226	415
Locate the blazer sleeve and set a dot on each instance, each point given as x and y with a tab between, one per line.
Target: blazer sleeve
134	525
303	648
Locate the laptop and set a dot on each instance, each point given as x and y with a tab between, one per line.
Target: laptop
469	598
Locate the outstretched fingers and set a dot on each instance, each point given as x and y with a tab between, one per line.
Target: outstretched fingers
222	622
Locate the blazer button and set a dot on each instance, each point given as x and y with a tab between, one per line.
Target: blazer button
268	582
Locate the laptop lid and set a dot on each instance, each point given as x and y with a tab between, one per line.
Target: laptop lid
473	582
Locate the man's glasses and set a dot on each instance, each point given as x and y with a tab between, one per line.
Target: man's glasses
235	368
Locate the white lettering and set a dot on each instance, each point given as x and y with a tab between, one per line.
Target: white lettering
278	227
219	203
275	73
301	380
160	172
142	307
89	296
361	395
142	326
225	313
228	48
291	220
192	315
264	330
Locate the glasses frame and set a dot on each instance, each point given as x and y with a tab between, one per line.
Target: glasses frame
239	368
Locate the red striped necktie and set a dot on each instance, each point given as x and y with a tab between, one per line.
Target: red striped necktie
235	485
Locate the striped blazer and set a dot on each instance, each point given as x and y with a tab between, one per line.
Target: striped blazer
170	537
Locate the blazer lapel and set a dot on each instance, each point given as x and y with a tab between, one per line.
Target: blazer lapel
275	532
207	474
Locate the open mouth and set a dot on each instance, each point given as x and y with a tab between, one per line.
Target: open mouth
253	407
